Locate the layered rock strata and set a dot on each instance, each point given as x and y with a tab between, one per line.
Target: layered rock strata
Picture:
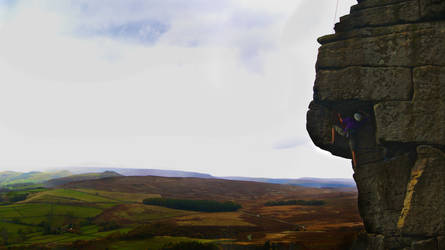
387	60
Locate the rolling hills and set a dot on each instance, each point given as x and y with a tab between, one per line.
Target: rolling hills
195	187
16	178
107	212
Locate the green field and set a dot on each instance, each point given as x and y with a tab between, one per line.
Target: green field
62	216
54	217
67	195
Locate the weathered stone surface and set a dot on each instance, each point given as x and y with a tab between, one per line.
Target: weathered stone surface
380	241
419	121
429	244
363	4
377	31
429	83
411	122
389	55
375	242
382	188
369	242
398	12
441	242
363	83
424	203
407	49
432	9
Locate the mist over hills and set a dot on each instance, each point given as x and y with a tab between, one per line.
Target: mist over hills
65	175
17	178
139	172
305	181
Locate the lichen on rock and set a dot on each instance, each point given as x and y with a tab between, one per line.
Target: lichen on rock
387	59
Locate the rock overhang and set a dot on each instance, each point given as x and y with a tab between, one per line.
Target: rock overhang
387	59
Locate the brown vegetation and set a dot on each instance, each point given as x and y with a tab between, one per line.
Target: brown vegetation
328	226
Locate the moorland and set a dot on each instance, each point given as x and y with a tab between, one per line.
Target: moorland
107	210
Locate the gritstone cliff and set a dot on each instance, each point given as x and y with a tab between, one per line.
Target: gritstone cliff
387	59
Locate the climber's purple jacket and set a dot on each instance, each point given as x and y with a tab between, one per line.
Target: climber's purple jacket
350	123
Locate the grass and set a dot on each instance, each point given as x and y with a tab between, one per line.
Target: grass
14	228
86	233
34	214
67	195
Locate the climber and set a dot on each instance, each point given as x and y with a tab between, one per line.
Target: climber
348	129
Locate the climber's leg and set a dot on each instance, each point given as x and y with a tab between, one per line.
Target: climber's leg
353	146
354	159
332	135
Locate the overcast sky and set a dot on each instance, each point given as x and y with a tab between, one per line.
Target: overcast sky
220	87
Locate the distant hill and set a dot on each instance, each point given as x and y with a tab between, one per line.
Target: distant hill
306	182
16	178
87	173
80	177
140	172
200	188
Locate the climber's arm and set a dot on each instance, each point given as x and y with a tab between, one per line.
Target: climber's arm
339	118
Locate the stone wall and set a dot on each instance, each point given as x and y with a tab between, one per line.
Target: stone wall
387	60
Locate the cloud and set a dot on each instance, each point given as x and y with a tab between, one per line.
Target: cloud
289	143
250	29
193	85
144	32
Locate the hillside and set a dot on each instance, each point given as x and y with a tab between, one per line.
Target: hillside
305	182
79	177
110	211
139	172
195	187
11	177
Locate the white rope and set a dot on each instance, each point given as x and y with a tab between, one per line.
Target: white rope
336	10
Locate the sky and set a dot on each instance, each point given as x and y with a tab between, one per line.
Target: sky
219	87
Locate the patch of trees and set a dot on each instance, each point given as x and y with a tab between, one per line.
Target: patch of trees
296	202
194	205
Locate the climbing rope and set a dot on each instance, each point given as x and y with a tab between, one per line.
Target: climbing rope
336	10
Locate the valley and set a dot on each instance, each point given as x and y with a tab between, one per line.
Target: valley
109	212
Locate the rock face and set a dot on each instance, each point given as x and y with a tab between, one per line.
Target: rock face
387	61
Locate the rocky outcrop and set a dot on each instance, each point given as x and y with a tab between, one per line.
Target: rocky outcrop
387	60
